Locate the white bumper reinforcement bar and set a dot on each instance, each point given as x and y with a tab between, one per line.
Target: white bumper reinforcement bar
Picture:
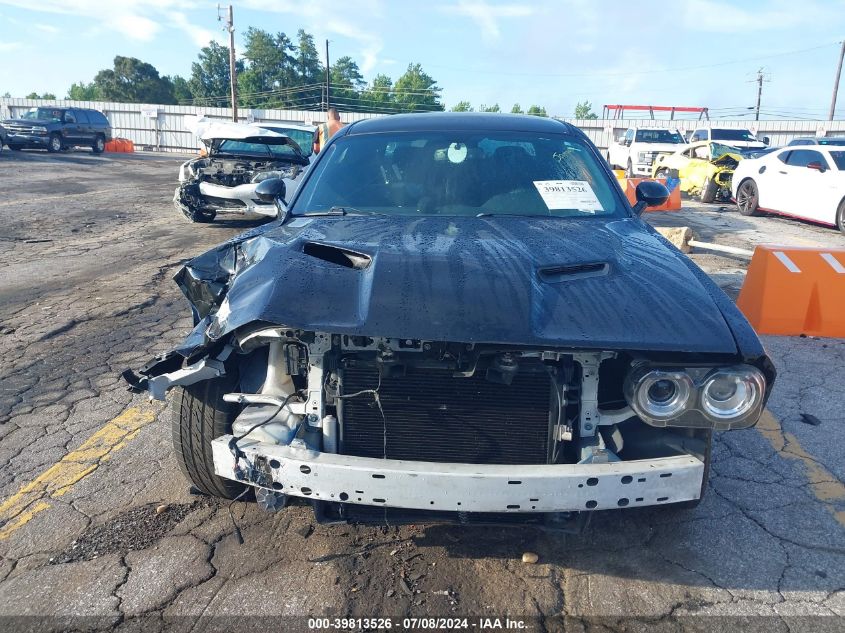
301	472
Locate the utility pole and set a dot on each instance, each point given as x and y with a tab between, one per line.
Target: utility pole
836	82
233	76
759	93
328	75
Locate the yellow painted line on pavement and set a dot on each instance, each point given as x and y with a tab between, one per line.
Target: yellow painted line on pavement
21	507
824	485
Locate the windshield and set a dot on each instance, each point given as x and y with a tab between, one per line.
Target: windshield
44	114
732	135
243	148
832	141
658	136
839	160
303	138
460	173
718	149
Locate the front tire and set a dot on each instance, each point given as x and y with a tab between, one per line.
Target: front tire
709	189
99	145
840	216
748	198
55	144
199	416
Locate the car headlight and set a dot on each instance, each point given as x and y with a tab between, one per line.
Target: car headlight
716	398
641	156
732	394
658	394
39	129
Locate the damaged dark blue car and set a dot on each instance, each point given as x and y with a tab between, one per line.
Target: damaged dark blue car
457	317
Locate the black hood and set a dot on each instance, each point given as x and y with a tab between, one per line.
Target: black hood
573	283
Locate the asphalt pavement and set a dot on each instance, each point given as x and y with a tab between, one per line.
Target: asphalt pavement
98	528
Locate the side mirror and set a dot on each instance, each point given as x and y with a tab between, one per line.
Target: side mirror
271	189
627	142
816	165
765	140
650	193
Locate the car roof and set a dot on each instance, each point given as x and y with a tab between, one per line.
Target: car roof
432	121
269	125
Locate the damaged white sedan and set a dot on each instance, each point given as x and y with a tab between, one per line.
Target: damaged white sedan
238	157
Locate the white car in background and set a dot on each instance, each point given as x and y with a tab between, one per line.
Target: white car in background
238	157
804	182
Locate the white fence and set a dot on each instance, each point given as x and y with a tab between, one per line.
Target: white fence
162	127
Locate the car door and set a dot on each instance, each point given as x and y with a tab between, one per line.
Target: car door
816	185
775	182
70	128
84	131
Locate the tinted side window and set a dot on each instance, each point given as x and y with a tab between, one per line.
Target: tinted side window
700	135
69	118
784	156
81	117
803	157
97	118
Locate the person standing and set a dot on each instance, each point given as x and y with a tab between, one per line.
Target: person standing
327	129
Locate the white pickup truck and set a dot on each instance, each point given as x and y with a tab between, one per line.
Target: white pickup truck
735	137
638	148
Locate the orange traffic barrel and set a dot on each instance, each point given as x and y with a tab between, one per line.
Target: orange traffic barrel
795	290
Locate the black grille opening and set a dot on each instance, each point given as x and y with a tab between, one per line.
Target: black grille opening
431	415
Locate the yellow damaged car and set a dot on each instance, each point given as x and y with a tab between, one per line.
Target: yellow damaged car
705	169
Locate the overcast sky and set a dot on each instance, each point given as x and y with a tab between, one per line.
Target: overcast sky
550	53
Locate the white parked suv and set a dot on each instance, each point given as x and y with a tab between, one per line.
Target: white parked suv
638	148
735	137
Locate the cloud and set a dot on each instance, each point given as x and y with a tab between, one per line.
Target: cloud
139	20
7	47
715	16
486	15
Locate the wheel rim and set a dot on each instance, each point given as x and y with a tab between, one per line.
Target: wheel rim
100	145
56	143
744	197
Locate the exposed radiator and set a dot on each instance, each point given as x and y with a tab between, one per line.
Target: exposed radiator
430	415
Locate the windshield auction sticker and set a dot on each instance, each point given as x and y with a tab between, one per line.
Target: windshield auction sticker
568	194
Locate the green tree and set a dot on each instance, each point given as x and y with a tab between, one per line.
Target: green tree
133	81
35	95
347	83
516	109
492	108
378	95
537	111
416	90
209	82
462	106
181	90
7	95
585	111
309	69
270	69
83	92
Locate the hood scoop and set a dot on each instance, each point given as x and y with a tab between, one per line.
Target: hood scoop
337	255
556	274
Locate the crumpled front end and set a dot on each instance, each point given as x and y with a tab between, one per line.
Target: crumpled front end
210	184
363	412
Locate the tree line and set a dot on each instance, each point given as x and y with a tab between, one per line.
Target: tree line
276	72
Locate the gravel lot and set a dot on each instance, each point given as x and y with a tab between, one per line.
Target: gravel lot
111	537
